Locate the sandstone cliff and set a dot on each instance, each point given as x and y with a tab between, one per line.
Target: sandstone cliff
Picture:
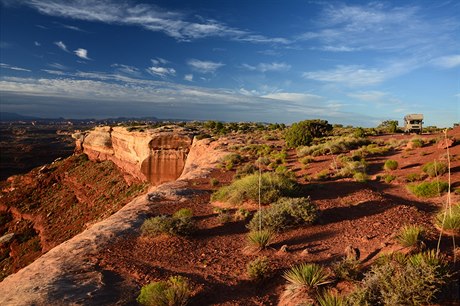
153	155
68	273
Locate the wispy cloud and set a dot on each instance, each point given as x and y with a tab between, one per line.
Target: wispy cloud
82	53
378	26
204	66
58	66
159	61
7	66
188	77
151	17
131	70
449	61
264	67
61	45
37	44
161	71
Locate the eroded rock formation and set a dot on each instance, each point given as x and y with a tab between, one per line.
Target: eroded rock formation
153	155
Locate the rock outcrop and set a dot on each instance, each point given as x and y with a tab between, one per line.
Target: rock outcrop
68	273
153	155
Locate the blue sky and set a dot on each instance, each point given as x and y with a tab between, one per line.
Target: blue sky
351	62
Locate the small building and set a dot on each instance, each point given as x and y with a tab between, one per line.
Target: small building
413	123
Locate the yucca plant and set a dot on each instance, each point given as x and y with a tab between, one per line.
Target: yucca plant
303	282
259	240
328	298
410	235
308	276
449	219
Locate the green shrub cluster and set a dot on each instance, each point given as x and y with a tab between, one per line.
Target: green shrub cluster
231	160
272	187
435	168
371	149
258	269
175	291
402	280
352	167
335	146
285	213
390	164
181	223
303	132
428	189
247	169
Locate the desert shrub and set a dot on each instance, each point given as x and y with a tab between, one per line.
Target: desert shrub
173	292
388	178
245	170
279	157
231	160
263	161
372	149
449	218
302	133
181	223
416	143
322	175
328	298
306	160
335	146
428	189
347	269
273	186
361	177
213	182
223	215
350	168
390	164
259	239
258	269
410	280
410	235
242	214
435	168
285	213
306	277
202	136
413	177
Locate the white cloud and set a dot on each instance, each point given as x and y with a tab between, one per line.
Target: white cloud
188	77
204	66
55	72
161	71
349	75
450	61
61	45
131	70
6	66
37	44
264	67
159	60
378	26
294	97
58	66
82	53
174	24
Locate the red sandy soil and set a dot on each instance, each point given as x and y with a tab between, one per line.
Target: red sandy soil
362	215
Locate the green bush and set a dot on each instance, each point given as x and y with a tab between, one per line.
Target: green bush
245	170
335	145
258	269
259	240
347	269
449	219
242	214
409	280
361	177
413	177
273	186
428	189
231	160
303	132
390	165
388	178
285	213
435	168
410	235
173	292
350	168
181	223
